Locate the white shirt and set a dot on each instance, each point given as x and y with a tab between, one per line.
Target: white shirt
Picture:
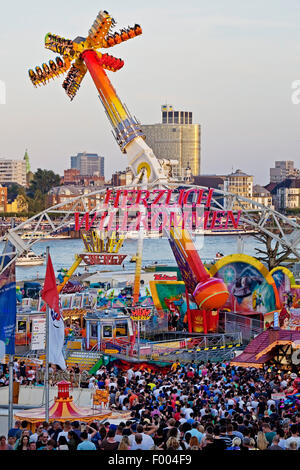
282	443
34	437
135	446
291	439
118	437
146	444
122	398
63	433
130	374
188	412
270	402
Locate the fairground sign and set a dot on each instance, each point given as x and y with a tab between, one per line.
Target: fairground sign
160	209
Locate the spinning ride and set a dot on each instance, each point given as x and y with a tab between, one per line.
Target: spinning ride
209	293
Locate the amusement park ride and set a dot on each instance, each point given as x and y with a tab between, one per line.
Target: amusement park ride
209	293
82	55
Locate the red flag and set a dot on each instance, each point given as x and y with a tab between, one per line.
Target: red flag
49	292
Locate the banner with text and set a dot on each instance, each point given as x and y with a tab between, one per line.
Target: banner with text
8	303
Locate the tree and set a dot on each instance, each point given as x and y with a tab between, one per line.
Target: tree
43	180
37	203
13	190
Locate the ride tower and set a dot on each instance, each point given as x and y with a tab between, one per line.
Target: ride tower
82	55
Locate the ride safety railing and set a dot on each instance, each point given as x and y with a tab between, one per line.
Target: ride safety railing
177	346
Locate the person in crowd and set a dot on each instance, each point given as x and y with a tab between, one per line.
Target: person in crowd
66	428
73	440
24	443
292	445
109	442
294	436
235	444
85	444
38	431
32	445
55	430
3	444
16	430
62	443
275	444
261	440
42	441
124	444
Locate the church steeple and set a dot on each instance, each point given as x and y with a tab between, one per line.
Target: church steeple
26	158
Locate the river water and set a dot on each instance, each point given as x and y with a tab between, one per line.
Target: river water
63	253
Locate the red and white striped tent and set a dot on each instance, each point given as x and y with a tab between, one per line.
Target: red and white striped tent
64	409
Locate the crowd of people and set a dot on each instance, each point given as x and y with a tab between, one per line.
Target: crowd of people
206	407
34	375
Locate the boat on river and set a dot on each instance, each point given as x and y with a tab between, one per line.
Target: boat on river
30	259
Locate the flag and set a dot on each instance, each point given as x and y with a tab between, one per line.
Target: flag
8	302
49	292
56	323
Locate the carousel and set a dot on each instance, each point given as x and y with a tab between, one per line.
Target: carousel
64	409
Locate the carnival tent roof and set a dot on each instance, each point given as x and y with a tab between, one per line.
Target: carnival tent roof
63	409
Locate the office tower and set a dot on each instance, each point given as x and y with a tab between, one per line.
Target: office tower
176	138
88	164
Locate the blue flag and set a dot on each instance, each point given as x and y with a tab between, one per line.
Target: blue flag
8	302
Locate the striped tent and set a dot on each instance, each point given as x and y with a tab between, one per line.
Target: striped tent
63	409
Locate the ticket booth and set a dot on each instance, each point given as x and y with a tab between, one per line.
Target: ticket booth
108	331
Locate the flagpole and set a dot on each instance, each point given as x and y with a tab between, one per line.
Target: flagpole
11	376
10	392
46	384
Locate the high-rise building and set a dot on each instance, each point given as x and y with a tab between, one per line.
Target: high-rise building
89	164
283	169
12	171
176	138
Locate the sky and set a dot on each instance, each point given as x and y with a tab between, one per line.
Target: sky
231	62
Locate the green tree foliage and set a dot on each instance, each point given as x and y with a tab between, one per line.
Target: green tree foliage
35	196
43	180
37	203
13	190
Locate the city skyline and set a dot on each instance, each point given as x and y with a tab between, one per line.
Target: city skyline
240	62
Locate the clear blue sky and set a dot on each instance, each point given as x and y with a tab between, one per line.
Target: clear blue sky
231	62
